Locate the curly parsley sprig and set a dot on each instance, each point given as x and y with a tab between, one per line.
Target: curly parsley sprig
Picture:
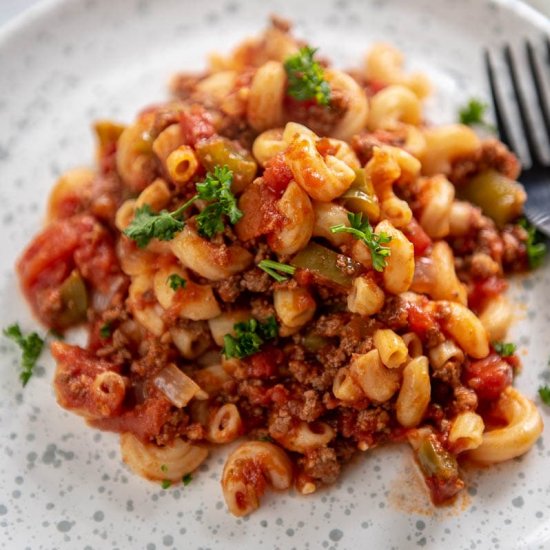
216	189
31	347
249	337
473	114
306	79
505	349
175	281
535	247
363	231
148	225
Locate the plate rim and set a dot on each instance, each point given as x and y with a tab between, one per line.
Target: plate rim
44	7
35	14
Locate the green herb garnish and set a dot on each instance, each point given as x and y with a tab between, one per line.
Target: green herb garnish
535	247
148	225
473	114
544	393
105	331
271	268
217	187
505	349
306	78
176	282
363	231
165	483
250	336
31	347
187	479
266	438
163	468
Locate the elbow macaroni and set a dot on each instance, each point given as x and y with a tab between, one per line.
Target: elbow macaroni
391	348
384	64
377	381
393	106
523	428
399	271
415	392
466	432
270	462
322	179
170	462
265	99
466	329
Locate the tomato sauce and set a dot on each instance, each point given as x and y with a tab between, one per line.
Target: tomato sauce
488	377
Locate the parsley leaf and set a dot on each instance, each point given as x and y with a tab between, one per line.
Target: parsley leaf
505	349
175	281
163	468
31	347
217	187
271	268
148	225
535	247
473	114
165	483
105	331
544	393
187	479
209	189
306	78
363	231
250	336
210	221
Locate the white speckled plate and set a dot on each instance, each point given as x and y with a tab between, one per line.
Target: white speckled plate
62	485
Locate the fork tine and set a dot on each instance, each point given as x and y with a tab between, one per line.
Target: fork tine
522	106
537	80
497	104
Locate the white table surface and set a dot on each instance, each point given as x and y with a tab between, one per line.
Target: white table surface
10	9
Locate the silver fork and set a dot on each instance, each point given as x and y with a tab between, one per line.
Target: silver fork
535	174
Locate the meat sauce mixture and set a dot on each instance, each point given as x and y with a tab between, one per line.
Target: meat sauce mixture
71	274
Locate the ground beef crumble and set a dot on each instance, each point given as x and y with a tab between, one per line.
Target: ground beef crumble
492	155
321	464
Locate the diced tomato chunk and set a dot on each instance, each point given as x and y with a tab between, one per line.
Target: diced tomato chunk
260	214
78	242
264	363
197	125
488	377
418	237
485	288
277	175
419	319
52	247
145	420
96	258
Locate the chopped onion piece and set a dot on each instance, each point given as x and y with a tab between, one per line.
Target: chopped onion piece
177	386
424	276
